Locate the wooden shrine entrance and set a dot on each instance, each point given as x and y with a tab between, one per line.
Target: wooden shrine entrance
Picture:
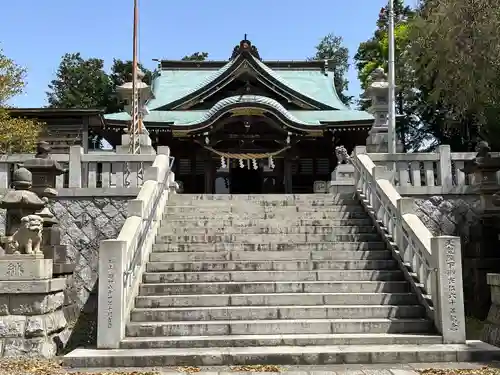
235	179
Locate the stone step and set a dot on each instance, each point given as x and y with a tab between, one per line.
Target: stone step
275	312
197	256
259	287
265	223
238	341
281	265
276	355
276	299
242	209
325	275
260	327
215	205
263	247
168	229
289	216
266	238
260	197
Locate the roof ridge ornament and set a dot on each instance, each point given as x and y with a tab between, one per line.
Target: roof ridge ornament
245	47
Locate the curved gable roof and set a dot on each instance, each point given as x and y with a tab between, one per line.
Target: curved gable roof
299	120
175	87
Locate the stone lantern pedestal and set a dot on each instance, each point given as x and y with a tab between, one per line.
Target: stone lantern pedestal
480	251
31	299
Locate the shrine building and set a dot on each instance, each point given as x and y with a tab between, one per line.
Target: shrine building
245	125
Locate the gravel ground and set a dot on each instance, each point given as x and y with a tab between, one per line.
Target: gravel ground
53	367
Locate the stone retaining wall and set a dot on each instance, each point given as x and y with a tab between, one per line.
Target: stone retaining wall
85	221
458	216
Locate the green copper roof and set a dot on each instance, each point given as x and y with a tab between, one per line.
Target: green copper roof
303	118
172	85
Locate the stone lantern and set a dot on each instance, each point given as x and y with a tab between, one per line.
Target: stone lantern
125	92
44	171
378	93
21	205
480	250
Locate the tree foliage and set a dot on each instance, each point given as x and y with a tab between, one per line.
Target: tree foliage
16	134
79	83
196	56
374	53
331	48
456	53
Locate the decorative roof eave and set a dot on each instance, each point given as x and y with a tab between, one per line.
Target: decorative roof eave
250	102
266	104
227	73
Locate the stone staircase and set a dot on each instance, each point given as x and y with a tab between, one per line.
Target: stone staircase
297	279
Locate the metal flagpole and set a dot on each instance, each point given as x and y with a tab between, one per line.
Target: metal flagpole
392	84
134	129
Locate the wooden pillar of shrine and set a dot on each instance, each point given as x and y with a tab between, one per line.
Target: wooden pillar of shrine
287	173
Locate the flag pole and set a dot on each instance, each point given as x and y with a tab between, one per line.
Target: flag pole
392	84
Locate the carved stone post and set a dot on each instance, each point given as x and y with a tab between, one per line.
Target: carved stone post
31	300
480	250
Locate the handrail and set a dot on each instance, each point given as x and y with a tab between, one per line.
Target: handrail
123	259
133	266
434	261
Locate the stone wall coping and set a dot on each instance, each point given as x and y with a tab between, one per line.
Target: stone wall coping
33	286
115	192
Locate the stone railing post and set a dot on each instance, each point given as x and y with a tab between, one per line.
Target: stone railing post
448	298
445	170
75	166
4	175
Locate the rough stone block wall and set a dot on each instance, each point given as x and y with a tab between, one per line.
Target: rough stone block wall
459	216
450	216
84	223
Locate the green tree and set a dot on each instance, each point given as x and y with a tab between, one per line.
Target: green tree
374	53
80	83
331	48
455	52
196	56
16	134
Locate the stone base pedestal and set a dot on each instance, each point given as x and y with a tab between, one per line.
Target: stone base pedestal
480	257
31	306
378	141
144	140
491	330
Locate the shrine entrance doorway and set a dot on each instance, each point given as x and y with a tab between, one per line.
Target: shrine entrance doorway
245	180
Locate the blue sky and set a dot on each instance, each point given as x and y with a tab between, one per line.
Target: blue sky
37	33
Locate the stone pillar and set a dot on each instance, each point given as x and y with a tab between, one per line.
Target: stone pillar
449	311
378	92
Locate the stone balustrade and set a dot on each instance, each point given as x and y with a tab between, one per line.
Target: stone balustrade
92	170
121	260
433	265
422	173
